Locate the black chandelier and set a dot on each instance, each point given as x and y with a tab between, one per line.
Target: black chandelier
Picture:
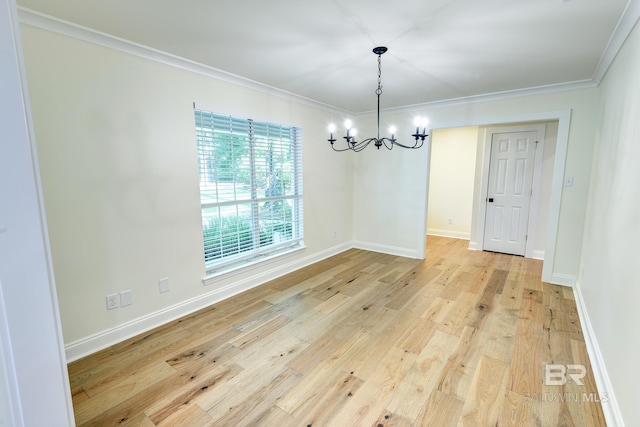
389	143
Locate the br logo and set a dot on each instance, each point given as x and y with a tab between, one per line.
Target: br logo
557	374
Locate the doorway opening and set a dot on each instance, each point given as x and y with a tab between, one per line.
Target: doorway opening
459	179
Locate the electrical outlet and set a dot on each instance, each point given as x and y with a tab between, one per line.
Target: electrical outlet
335	234
164	285
113	301
450	221
125	298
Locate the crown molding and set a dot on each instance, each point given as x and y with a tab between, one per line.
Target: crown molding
31	17
487	97
624	27
70	29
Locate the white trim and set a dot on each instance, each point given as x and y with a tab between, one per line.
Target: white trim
421	250
385	249
568	280
624	27
50	23
10	387
487	97
564	120
227	272
611	410
30	328
463	235
553	218
96	342
473	246
537	254
70	29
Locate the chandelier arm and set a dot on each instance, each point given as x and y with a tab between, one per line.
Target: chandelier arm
414	146
388	143
340	149
348	148
364	143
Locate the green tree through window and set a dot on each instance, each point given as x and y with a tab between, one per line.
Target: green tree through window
250	188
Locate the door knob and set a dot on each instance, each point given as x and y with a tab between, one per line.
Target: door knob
490	199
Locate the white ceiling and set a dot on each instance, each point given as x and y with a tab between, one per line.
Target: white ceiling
321	49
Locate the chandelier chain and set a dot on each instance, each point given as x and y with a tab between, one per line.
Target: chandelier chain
379	90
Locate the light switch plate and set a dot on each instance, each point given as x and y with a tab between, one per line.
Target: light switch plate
164	285
125	298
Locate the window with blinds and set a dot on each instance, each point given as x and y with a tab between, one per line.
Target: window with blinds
250	189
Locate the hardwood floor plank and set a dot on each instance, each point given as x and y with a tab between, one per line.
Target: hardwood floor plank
136	383
457	317
140	420
191	384
315	353
517	410
326	402
370	399
460	368
78	396
389	419
483	405
442	410
499	333
243	385
414	390
260	332
527	362
190	415
416	338
360	338
256	404
151	348
311	390
274	416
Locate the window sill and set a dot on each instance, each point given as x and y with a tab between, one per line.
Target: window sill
231	271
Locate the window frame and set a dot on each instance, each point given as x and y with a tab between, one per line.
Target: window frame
255	140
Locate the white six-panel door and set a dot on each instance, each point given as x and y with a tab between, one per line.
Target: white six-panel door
509	192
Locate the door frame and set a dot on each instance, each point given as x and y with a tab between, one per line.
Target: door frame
553	215
480	207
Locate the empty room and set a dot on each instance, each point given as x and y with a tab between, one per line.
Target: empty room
334	213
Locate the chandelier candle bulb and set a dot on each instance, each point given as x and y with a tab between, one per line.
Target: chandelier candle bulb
332	128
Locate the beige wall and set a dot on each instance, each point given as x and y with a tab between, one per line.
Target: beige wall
391	189
116	140
451	181
610	283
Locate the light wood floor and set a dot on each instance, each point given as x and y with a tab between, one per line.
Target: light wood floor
461	339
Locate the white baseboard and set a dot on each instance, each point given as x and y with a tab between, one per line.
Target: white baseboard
537	254
563	279
104	339
610	408
385	249
449	233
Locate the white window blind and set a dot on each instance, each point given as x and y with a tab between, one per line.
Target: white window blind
250	188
